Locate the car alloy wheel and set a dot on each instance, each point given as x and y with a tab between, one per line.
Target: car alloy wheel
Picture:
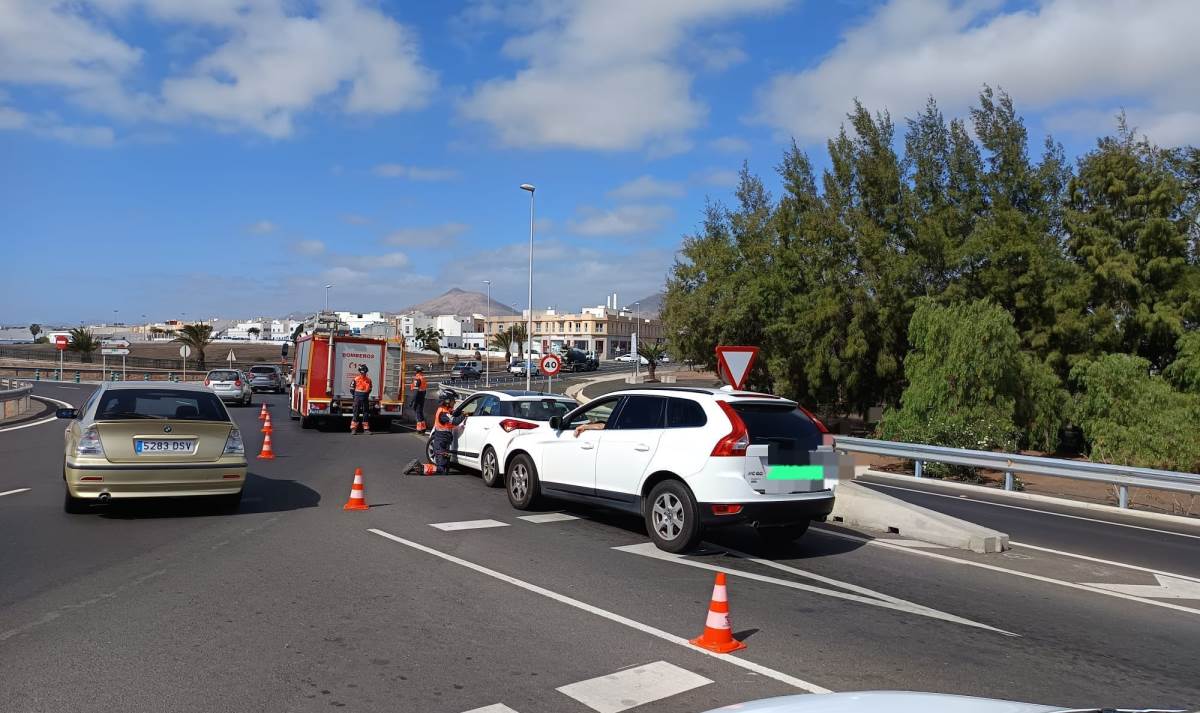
519	481
490	468
668	516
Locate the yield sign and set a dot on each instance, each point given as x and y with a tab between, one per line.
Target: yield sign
231	356
734	364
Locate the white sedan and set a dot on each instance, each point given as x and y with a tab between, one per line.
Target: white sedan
495	419
628	359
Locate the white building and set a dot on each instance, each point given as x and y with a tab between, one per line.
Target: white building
356	321
245	331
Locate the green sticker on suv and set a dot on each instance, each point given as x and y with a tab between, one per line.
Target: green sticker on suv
795	472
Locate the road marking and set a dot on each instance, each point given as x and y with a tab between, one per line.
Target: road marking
1097	560
872	598
467	525
14	492
1013	572
1041	512
41	421
611	616
917	543
633	687
1167	588
547	517
494	708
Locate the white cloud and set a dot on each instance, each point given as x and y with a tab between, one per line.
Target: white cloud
633	219
310	247
1061	56
600	74
275	59
428	236
718	52
262	227
12	119
718	177
644	187
414	173
730	144
366	263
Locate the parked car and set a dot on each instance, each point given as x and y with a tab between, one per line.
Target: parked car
517	366
629	358
664	359
151	439
496	420
466	373
267	377
683	458
230	385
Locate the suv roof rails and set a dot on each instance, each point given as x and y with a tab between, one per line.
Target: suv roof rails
685	389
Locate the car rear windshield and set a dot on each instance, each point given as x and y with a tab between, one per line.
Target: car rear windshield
223	376
783	428
541	410
130	404
262	370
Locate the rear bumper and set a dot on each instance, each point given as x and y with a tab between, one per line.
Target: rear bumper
88	480
790	511
229	395
265	386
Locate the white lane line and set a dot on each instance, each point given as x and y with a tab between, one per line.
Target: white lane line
1097	560
1041	512
547	517
611	616
494	708
14	492
467	525
872	598
1013	572
633	687
1166	588
39	422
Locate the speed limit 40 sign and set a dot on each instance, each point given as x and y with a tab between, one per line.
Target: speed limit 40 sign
550	365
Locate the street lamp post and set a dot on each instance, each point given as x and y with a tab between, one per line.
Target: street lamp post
327	288
529	352
487	348
637	337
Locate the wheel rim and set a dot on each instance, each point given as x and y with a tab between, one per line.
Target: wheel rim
489	466
518	481
668	516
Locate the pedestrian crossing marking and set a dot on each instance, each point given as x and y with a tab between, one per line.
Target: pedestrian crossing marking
633	687
467	525
494	708
547	517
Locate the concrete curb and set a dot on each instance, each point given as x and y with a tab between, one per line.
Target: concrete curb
859	506
934	483
575	391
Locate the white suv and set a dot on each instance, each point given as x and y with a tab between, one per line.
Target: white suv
684	459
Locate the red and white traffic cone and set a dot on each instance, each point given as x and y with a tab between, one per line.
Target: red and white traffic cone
266	428
266	453
262	414
718	634
358	498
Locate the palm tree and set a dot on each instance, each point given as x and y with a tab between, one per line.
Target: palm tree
196	336
520	335
83	342
429	338
157	331
503	340
254	331
651	353
35	329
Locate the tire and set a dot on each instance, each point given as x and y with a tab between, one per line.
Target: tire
429	449
521	483
672	518
74	506
227	503
308	422
781	535
489	468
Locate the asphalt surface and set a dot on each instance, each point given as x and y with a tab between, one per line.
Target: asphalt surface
292	604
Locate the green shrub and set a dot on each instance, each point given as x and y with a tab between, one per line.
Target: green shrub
1184	372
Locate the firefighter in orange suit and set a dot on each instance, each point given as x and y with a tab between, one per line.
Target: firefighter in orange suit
444	423
361	415
418	399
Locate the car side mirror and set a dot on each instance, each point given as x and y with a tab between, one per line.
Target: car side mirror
556	423
66	413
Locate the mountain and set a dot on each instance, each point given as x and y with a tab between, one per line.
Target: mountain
649	306
461	302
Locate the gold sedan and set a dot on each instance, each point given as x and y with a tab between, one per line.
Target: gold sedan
152	439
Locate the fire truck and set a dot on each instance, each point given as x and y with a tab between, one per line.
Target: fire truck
324	364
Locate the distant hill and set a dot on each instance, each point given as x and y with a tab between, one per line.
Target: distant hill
461	302
650	306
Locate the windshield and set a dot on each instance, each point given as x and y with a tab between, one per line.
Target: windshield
129	404
788	433
224	375
262	370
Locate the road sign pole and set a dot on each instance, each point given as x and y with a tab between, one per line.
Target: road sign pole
122	367
103	366
60	364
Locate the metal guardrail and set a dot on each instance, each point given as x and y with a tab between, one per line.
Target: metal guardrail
1122	476
14	398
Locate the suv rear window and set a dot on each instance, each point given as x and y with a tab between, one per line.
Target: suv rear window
685	413
262	370
131	404
224	375
788	433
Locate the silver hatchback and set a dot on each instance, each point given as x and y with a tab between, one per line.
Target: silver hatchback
265	377
230	385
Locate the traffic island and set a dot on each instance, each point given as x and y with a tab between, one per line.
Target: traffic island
859	506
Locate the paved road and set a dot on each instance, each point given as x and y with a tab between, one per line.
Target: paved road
1152	544
293	604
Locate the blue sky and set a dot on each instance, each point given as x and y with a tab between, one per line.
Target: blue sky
230	157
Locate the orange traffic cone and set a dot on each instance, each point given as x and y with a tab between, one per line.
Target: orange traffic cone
263	415
267	425
358	500
266	453
718	636
420	426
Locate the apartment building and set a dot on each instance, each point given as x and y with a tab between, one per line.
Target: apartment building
606	330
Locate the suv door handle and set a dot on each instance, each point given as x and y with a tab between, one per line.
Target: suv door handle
587	446
641	447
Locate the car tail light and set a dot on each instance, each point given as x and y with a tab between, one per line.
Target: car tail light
738	440
511	424
820	426
233	444
207	383
726	509
89	443
238	383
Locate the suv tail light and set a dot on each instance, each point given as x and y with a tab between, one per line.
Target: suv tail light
89	443
738	440
238	383
207	383
813	417
511	424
